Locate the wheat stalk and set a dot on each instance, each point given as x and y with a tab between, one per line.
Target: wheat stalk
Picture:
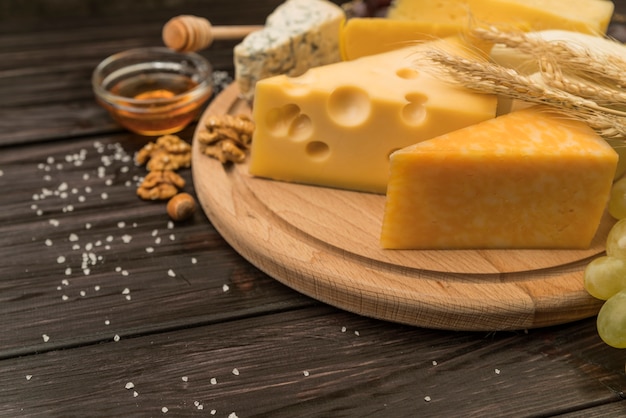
576	58
490	78
584	84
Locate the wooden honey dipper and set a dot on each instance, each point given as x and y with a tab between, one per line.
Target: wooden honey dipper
187	33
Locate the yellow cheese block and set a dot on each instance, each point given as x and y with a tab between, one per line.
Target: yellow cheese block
528	179
364	36
587	16
337	124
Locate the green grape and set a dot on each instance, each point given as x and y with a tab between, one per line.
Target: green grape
617	200
605	276
611	321
620	149
616	240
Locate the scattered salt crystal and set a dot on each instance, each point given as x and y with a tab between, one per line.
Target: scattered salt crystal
129	385
200	407
45	338
357	333
184	378
48	242
73	237
164	409
149	249
171	273
236	371
170	225
116	338
60	259
126	291
172	237
121	224
232	415
86	272
194	260
135	394
126	238
157	241
65	297
128	297
213	411
306	373
225	288
427	398
196	403
83	293
497	371
155	232
213	381
118	269
54	222
434	362
104	196
29	376
96	288
344	329
87	226
68	271
124	272
107	322
65	282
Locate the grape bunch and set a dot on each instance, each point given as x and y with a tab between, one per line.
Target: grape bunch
605	277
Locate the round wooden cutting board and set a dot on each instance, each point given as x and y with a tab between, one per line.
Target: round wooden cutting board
323	243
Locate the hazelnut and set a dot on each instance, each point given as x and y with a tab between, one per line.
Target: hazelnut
181	207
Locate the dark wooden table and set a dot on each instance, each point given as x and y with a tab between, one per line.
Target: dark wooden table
109	309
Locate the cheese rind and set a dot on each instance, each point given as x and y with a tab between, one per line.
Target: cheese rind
528	179
336	125
587	16
298	35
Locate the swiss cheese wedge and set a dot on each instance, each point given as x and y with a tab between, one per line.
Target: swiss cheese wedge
528	179
336	125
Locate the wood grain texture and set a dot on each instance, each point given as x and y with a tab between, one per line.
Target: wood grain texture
324	243
320	363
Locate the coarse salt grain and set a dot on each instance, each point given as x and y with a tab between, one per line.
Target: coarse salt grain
149	249
135	394
344	329
305	373
232	415
45	337
184	378
164	409
60	259
497	371
434	362
194	260
427	398
116	338
171	273
213	381
107	322
357	333
236	372
48	242
29	376
225	288
65	297
129	385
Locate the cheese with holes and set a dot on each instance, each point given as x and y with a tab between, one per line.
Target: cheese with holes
587	16
362	36
528	179
298	35
337	124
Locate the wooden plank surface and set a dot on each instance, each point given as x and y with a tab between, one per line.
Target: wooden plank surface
83	260
320	362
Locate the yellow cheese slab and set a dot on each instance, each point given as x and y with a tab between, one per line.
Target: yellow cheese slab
528	179
587	16
336	125
362	36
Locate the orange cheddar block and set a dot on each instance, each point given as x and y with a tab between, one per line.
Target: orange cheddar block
528	179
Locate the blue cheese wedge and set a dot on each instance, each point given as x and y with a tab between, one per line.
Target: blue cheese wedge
298	35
